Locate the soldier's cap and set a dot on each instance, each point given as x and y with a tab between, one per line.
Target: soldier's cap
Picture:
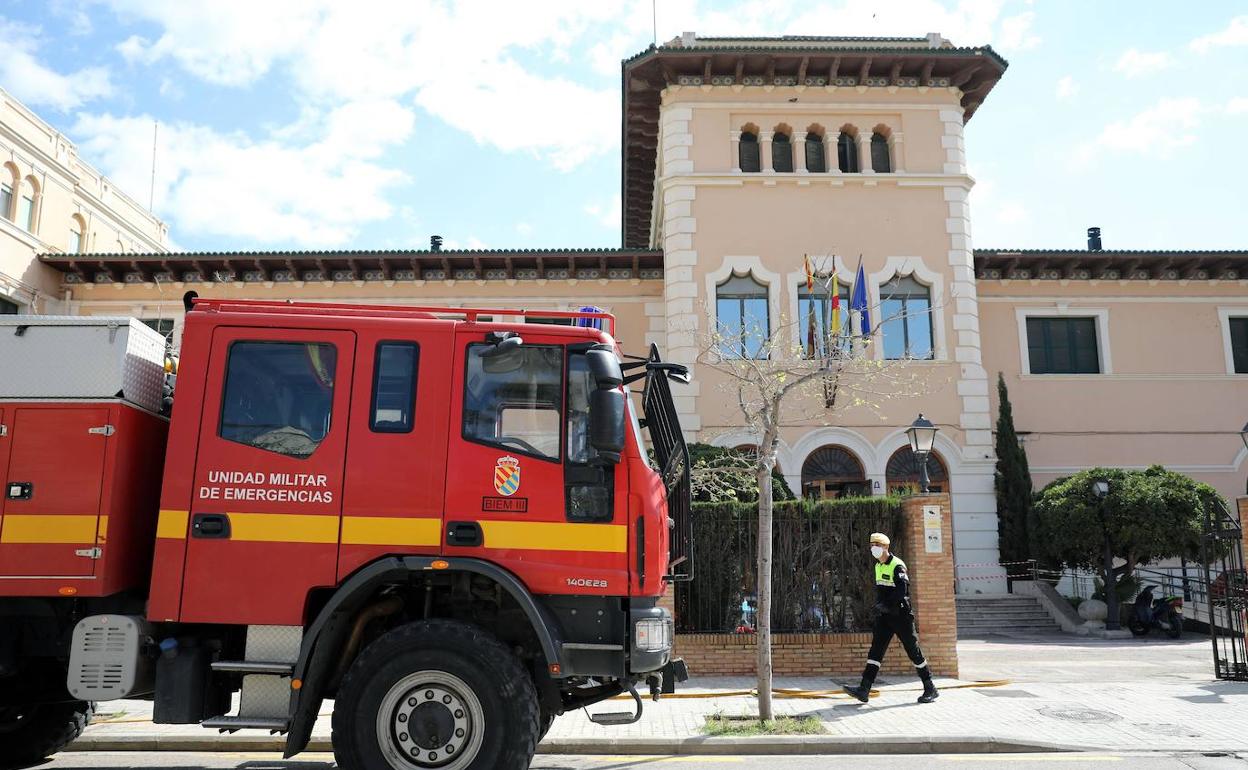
879	538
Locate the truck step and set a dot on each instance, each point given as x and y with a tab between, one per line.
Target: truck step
619	717
230	724
253	667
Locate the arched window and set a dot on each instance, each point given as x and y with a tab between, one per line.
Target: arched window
748	152
8	188
903	474
881	157
816	158
781	152
847	152
833	471
823	329
741	311
26	204
906	319
77	238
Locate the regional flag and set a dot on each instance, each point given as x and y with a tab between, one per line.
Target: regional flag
810	276
834	326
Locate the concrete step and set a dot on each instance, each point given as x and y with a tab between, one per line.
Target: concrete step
1010	629
1039	617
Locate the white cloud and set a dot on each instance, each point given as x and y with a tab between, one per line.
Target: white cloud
461	62
1135	63
1236	33
1067	87
1238	105
607	215
263	190
29	80
524	228
987	204
1016	34
1157	131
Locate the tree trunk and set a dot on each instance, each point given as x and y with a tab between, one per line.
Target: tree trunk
764	591
1111	589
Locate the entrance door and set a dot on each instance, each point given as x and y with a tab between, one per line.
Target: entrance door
267	499
51	502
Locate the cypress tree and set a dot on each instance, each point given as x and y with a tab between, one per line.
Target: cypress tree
1013	483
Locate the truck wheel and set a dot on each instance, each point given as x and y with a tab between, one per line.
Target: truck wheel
436	694
548	719
29	734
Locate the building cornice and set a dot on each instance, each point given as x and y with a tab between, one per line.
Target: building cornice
1135	265
360	265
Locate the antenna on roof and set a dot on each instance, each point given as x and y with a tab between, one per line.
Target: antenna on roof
151	189
654	21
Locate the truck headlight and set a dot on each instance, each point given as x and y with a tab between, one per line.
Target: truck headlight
652	635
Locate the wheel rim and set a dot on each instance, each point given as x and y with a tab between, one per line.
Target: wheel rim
430	719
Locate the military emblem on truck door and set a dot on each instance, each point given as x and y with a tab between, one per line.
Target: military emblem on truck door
507	475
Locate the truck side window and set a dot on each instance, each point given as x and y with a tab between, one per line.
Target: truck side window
394	387
589	483
515	400
279	395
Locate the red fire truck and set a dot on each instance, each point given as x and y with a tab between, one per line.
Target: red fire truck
446	520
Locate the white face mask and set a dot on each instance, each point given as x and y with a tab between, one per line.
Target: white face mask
877	551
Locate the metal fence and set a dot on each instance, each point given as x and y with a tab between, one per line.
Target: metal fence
821	574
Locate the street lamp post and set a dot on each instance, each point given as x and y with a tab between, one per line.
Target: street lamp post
922	435
1100	488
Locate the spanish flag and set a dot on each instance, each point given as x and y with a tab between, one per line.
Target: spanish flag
810	276
834	326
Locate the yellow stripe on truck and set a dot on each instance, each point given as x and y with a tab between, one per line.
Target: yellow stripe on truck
379	530
172	524
49	529
282	528
551	536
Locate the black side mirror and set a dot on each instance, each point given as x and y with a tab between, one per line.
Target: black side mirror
605	367
606	423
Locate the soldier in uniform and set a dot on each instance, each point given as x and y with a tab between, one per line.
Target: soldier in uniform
894	617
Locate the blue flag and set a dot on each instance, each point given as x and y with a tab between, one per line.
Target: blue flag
858	300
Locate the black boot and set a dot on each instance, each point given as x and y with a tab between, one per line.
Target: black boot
930	693
863	691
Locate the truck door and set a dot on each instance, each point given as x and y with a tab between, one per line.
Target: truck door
268	475
521	490
396	456
49	514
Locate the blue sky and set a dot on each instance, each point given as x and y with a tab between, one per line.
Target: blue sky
373	124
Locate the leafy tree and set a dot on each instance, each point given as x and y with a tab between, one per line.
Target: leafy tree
722	475
1145	516
1013	484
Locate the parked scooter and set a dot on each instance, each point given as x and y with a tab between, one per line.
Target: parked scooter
1165	613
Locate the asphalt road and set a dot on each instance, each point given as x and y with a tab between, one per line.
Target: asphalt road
238	761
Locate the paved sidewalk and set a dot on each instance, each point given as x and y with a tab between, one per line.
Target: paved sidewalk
1063	693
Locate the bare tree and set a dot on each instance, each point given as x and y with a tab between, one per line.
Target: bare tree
802	371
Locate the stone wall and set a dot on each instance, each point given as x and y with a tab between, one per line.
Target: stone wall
931	586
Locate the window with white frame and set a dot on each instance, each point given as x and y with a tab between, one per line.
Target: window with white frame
1239	343
6	198
742	314
26	206
906	319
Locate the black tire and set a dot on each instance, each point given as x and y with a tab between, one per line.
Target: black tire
1137	628
455	682
547	719
30	734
